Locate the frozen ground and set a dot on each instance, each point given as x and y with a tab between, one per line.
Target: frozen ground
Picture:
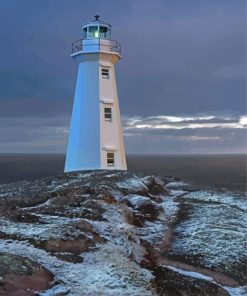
212	232
107	234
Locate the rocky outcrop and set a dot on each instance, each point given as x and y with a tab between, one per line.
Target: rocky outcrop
21	276
117	233
141	209
166	280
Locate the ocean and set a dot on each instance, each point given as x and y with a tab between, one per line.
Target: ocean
218	172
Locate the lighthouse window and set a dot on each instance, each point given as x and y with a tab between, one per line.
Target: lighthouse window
110	159
108	114
93	32
85	33
105	73
103	32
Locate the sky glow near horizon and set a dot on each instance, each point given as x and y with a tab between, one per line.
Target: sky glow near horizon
193	132
181	82
180	122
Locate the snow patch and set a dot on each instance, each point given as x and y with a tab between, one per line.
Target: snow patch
138	200
176	185
239	291
132	183
190	273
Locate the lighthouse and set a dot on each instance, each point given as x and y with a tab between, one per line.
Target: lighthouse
95	137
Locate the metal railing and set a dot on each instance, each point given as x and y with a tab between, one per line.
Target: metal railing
96	44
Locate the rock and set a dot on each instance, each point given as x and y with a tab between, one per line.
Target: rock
144	209
79	237
169	282
133	186
21	276
58	290
69	257
155	186
148	208
26	217
84	226
108	197
75	246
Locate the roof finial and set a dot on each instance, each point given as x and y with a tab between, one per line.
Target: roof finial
97	17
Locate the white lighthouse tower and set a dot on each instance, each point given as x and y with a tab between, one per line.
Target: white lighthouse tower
95	139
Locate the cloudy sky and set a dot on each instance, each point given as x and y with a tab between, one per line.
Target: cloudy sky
181	82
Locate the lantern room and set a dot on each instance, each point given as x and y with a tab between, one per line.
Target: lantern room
96	38
96	29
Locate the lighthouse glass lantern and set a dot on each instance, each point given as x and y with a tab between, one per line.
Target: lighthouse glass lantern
100	31
95	137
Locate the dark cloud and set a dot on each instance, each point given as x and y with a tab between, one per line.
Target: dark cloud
33	134
178	58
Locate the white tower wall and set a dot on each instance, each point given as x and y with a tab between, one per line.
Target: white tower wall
84	138
110	131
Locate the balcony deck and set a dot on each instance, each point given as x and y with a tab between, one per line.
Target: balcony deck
96	45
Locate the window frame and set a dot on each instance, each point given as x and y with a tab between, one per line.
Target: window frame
108	112
103	34
110	159
105	75
91	32
85	33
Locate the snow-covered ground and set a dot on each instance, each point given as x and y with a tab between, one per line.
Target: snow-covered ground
105	271
208	229
214	231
